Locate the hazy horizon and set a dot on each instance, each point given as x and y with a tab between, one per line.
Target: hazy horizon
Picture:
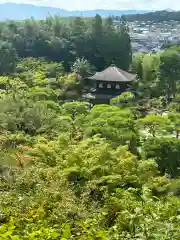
103	4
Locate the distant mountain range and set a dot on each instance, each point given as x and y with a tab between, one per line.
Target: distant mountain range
17	11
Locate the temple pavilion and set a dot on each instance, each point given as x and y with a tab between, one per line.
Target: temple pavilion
103	86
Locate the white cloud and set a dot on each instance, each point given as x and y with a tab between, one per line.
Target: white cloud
105	4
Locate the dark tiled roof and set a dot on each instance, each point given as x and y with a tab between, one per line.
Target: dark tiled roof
113	74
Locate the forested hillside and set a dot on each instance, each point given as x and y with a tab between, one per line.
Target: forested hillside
157	16
70	170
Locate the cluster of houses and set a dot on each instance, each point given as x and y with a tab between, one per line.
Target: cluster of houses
152	36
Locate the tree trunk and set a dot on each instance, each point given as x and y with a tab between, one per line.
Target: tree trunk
177	134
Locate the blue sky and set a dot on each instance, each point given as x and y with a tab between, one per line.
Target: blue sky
105	4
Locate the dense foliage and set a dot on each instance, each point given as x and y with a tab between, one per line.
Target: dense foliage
59	40
70	170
